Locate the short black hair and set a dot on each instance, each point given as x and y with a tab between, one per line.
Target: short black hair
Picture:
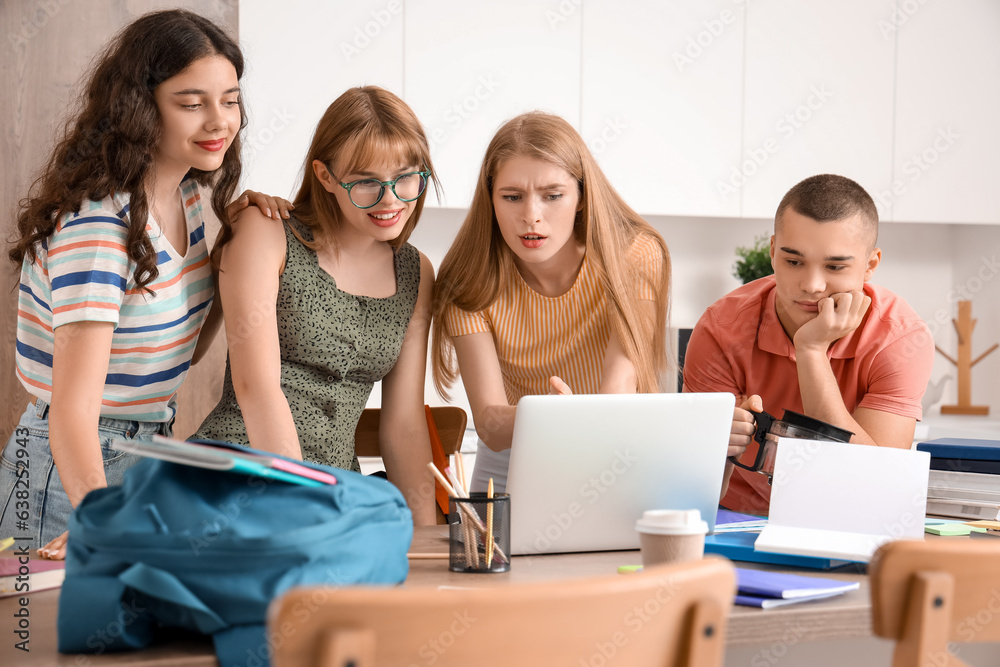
827	198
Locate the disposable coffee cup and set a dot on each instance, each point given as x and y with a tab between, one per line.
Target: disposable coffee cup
671	536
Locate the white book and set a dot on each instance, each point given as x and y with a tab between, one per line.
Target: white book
950	479
839	500
962	494
964	510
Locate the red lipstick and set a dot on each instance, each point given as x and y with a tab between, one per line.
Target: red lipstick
215	145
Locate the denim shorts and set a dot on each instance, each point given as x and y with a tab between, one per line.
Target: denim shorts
36	509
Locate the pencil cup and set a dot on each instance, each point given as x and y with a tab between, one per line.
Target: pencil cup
479	529
671	536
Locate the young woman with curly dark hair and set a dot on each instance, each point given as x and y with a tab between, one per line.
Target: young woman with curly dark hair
116	281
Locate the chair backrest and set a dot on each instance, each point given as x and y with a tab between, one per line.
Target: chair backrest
450	421
666	616
926	594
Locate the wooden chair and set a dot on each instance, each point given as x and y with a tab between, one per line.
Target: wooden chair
450	421
927	594
666	616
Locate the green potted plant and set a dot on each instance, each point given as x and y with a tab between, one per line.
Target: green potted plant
754	262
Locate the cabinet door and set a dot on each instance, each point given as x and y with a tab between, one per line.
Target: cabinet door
300	59
819	98
662	101
471	66
947	110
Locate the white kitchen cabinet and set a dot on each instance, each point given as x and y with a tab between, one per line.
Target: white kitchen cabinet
470	66
819	98
662	101
945	167
300	58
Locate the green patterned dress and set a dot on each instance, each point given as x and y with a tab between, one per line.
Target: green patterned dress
334	347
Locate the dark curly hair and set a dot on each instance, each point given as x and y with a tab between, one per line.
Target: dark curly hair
108	146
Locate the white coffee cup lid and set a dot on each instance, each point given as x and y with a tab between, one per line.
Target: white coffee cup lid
671	522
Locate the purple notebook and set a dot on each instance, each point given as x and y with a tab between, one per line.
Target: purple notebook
766	584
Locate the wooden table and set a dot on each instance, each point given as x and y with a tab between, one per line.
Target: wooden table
846	616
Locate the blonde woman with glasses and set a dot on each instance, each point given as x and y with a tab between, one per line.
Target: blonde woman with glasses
321	308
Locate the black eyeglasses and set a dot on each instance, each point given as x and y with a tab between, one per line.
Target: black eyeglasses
369	191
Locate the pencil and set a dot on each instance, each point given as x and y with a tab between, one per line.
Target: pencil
6	543
444	482
468	518
455	484
419	556
489	525
460	466
471	555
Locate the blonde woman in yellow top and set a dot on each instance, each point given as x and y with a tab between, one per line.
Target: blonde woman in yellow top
553	285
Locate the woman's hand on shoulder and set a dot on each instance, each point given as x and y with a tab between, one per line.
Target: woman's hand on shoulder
256	243
272	207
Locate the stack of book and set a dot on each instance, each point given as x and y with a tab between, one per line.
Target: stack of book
764	589
18	579
964	480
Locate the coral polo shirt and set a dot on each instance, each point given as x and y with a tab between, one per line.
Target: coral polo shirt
740	347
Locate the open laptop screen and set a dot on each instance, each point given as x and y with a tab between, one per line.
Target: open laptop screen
584	468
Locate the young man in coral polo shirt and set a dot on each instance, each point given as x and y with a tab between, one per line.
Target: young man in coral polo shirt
816	337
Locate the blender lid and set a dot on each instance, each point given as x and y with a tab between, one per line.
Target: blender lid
828	431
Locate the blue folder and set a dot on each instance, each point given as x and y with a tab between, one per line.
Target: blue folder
962	448
739	546
963	455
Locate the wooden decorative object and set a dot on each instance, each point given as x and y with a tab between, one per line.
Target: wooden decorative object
964	326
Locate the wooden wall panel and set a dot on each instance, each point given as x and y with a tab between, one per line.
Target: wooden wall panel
46	48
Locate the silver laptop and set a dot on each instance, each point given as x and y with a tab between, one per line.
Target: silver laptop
584	468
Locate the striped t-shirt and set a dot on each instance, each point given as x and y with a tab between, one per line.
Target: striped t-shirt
83	273
537	336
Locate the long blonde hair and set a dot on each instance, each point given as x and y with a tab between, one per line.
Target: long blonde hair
363	126
476	267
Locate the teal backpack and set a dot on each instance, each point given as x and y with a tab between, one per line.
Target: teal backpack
206	551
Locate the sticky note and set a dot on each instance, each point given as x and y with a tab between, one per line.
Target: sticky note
952	529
